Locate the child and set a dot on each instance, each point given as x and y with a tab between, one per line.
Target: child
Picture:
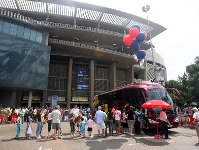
72	125
82	125
30	129
90	124
18	122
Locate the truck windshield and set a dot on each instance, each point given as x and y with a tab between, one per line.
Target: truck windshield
160	94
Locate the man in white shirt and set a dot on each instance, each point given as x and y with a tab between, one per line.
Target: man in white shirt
56	119
196	120
75	111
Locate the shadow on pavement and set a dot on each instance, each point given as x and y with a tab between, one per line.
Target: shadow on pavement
106	144
152	141
197	144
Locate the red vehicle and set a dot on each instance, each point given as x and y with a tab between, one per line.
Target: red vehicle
136	94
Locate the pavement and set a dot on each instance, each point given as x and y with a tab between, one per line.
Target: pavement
181	138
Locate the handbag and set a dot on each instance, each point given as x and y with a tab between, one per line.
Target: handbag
29	131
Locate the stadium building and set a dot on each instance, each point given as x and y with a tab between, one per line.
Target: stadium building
67	50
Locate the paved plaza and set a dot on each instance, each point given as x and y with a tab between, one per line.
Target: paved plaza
182	138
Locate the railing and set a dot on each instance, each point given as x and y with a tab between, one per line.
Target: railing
90	46
28	20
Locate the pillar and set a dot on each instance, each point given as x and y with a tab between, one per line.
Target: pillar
19	97
113	76
145	70
130	73
44	98
70	70
30	98
91	79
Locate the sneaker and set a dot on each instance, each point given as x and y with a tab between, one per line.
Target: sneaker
132	134
39	137
61	133
59	137
167	138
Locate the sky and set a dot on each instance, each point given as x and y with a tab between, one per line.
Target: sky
179	44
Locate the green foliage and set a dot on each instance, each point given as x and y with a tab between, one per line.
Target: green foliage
187	84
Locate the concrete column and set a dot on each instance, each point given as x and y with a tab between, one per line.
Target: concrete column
70	70
165	74
30	98
44	98
91	79
145	70
19	97
45	37
113	76
130	73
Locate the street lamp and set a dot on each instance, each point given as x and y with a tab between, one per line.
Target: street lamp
146	9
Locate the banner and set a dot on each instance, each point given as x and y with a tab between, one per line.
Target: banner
80	81
54	101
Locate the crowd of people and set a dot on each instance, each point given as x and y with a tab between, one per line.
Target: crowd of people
132	120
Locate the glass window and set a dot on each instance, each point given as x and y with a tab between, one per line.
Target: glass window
20	31
13	28
160	94
1	23
39	37
33	34
27	33
6	26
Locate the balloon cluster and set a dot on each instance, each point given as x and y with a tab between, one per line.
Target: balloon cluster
134	39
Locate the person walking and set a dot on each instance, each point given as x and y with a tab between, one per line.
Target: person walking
124	121
99	119
39	124
196	120
82	125
18	122
90	126
110	117
72	125
131	120
49	122
165	122
56	119
117	115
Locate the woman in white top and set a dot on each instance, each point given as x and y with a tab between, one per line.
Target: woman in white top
49	122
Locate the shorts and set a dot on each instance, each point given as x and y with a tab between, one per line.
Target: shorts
89	129
56	126
125	125
101	126
117	123
131	123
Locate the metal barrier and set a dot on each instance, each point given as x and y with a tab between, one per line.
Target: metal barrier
185	120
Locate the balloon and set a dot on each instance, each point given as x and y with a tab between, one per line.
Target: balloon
136	26
141	37
144	33
135	46
127	40
141	54
133	32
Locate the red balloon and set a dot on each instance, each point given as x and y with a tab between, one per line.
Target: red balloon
133	32
127	40
144	33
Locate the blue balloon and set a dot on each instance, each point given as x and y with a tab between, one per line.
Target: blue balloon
141	54
136	26
135	46
141	37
